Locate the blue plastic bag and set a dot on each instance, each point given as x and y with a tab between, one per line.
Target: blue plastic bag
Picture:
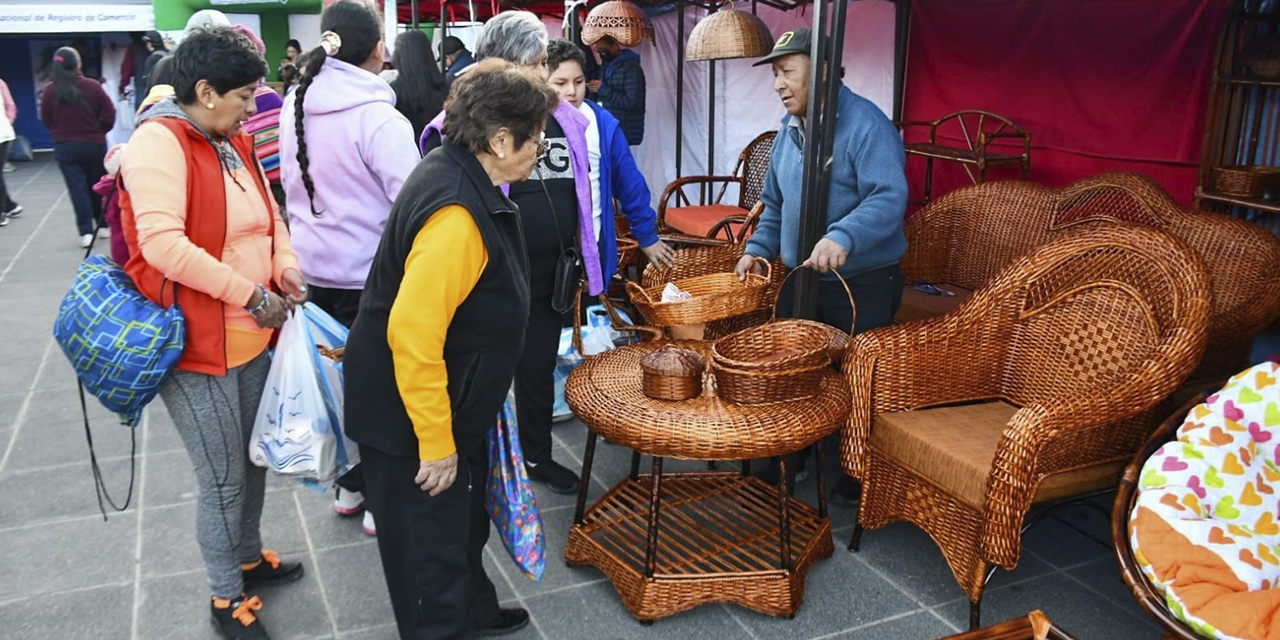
121	345
597	331
509	497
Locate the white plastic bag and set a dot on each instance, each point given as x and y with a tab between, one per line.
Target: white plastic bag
295	432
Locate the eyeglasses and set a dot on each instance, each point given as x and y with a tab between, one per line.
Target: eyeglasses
544	145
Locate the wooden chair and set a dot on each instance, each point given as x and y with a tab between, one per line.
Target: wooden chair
970	134
1039	387
681	212
963	239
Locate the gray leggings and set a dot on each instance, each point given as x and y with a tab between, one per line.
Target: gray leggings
214	415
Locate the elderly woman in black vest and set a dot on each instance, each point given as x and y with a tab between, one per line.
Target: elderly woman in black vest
434	348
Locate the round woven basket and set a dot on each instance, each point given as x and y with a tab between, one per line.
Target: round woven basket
728	34
714	296
620	20
672	373
763	387
627	250
773	347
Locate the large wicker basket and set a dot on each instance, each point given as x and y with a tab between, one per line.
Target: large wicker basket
1243	181
728	34
714	296
763	387
773	347
620	20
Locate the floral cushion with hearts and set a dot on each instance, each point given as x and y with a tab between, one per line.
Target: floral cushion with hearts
1205	527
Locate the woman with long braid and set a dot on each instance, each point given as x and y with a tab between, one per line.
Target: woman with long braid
78	113
345	152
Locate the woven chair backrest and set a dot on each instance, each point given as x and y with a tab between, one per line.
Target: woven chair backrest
754	164
1087	310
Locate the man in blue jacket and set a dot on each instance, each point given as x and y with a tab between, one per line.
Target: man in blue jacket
621	87
867	201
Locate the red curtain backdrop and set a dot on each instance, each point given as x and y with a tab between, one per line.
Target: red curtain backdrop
1101	85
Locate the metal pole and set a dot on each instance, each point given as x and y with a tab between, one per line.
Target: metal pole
711	120
413	13
680	89
902	17
444	33
824	92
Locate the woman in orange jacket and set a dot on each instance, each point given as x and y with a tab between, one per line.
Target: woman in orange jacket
205	233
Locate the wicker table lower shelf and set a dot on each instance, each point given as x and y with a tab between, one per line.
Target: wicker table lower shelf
720	538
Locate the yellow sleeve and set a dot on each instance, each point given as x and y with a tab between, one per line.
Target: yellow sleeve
443	267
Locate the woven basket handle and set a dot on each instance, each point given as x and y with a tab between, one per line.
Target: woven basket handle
635	290
768	267
852	305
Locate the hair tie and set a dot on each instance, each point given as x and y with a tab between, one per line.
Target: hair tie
330	42
59	59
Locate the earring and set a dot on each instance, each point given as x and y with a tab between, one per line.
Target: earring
209	105
501	154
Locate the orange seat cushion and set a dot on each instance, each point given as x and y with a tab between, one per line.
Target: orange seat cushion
954	448
698	221
920	306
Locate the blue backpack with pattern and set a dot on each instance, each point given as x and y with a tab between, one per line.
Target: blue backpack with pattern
121	345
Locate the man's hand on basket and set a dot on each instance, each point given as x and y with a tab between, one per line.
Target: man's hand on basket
827	255
435	476
660	253
748	264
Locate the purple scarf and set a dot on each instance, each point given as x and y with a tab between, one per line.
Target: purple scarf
575	132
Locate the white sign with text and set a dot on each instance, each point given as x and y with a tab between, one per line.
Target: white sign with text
74	18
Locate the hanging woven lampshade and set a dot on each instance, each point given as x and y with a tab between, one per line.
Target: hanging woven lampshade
620	20
727	34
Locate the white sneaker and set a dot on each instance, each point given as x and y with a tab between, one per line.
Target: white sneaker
369	527
104	233
348	503
86	240
15	211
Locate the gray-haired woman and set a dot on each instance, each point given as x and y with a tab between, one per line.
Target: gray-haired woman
429	362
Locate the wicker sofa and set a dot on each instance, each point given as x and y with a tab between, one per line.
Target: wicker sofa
961	240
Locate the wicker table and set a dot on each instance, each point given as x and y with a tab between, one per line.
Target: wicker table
669	543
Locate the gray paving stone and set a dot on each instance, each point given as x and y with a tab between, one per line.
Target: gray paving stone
840	593
916	626
1102	576
353	581
104	612
67	555
1061	545
326	528
170	479
384	632
41	445
16	377
178	607
162	436
169	540
11	403
57	494
59	405
914	562
1080	612
595	611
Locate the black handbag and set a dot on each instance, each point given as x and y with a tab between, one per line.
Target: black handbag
568	276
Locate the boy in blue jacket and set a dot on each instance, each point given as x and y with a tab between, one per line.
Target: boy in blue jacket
614	174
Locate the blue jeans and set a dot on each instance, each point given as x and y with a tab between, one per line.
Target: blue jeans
81	165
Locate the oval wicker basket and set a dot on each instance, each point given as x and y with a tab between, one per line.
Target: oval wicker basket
1240	181
620	20
728	34
715	296
773	347
763	387
672	373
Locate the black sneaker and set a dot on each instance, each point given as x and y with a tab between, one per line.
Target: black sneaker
236	619
554	475
15	211
4	219
847	492
270	570
509	621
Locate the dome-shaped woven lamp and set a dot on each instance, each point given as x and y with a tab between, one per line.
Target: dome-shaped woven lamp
727	34
620	20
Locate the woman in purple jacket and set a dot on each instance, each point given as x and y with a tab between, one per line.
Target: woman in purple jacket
345	152
79	114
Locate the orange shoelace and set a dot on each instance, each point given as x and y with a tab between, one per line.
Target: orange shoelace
270	556
244	612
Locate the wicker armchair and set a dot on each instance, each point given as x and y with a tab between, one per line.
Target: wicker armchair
964	238
980	143
1039	387
681	212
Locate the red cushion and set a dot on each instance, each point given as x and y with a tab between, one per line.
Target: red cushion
698	221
